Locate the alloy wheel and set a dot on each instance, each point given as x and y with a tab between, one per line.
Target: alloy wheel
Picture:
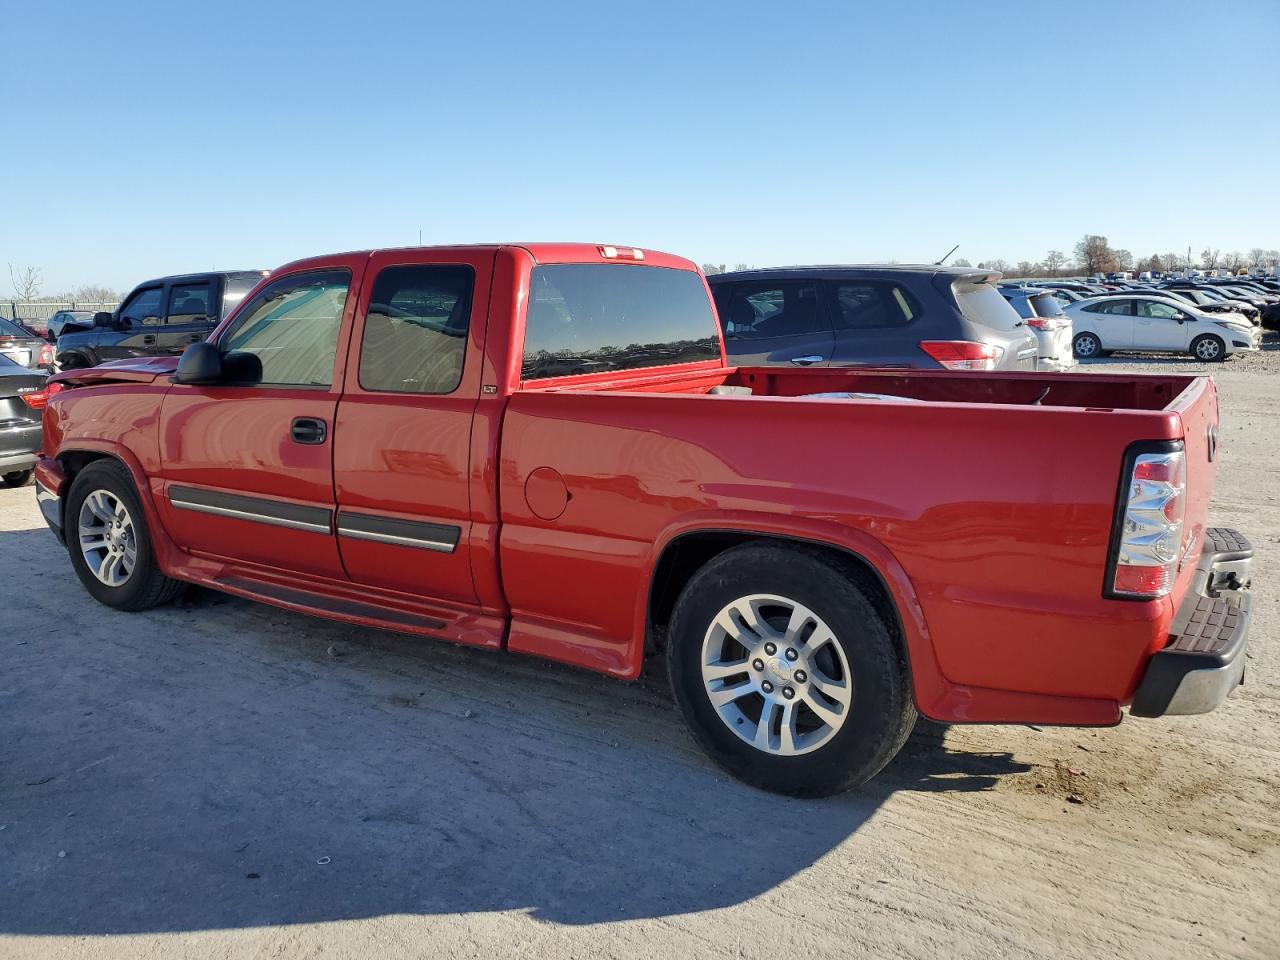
108	539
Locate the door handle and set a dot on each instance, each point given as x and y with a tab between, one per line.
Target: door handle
310	430
807	361
149	338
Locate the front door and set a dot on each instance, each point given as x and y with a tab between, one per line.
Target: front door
248	463
1157	326
137	323
402	442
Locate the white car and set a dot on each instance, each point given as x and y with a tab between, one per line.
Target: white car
1150	323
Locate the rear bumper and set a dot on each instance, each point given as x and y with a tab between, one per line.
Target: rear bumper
1204	661
18	446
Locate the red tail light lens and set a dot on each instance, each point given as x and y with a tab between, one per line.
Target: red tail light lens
1150	535
46	355
39	399
963	354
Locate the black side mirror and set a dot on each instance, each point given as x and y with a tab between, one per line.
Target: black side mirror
201	363
101	319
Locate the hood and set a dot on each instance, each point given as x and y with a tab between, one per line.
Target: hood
140	370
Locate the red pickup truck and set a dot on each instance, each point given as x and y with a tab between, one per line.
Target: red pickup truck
540	448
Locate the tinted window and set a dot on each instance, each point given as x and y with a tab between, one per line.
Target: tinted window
867	306
1045	305
189	302
1156	308
292	327
415	334
757	311
1115	308
9	329
1022	305
143	307
588	317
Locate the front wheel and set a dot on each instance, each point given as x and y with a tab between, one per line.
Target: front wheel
109	543
1087	346
785	672
1208	348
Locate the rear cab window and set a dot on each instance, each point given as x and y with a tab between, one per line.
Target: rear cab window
592	318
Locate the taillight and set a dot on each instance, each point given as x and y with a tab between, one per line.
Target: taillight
963	354
39	399
1149	538
46	354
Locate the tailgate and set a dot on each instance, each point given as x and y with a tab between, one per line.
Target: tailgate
1197	407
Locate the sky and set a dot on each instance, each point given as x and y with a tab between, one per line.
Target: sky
142	139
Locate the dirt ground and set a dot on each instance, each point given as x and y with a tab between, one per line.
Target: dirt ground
219	779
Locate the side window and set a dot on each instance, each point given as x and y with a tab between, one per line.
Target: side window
288	334
143	307
1116	308
868	306
757	311
1156	309
189	303
415	334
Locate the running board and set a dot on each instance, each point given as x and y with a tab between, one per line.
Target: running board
308	602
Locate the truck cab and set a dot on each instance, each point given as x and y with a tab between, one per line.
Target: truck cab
160	317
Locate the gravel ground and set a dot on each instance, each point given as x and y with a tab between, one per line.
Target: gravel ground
219	779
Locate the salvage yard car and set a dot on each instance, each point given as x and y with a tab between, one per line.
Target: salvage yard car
1153	323
159	318
540	449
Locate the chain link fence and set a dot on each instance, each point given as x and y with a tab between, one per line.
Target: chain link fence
42	310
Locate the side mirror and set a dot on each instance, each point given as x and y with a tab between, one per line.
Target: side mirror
102	319
201	363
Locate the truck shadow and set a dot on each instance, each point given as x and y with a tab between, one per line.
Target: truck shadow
220	765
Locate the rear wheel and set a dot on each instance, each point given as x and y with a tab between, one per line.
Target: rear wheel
1087	346
73	361
109	543
785	672
1208	348
17	478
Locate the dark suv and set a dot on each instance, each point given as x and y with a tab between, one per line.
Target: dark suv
886	316
160	317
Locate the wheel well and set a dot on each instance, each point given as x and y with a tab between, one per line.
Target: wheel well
685	555
76	460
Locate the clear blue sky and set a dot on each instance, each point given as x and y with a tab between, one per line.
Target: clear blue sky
149	138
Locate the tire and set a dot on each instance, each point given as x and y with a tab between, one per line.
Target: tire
1209	348
1087	346
816	755
18	478
73	361
141	585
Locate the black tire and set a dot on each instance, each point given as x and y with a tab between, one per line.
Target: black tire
146	585
17	478
881	713
1087	346
73	361
1209	348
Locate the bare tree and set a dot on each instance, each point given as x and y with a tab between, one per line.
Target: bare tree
1094	254
93	293
741	266
26	282
1172	261
1123	259
1272	259
1233	261
962	262
1209	258
1257	257
1053	262
711	269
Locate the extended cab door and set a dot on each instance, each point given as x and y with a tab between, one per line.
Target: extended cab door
774	321
402	463
248	463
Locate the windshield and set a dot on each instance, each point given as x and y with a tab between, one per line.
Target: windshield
590	317
982	303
